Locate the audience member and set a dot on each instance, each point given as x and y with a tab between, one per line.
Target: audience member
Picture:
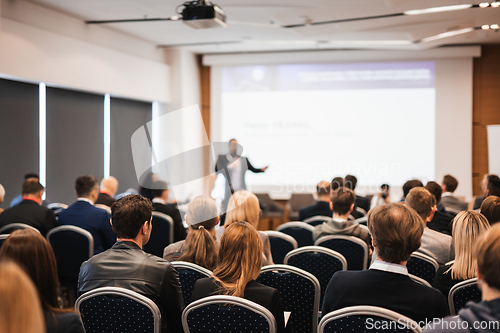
239	265
450	202
434	244
361	202
468	226
396	232
20	310
17	200
342	203
442	220
490	208
493	187
33	253
160	193
383	197
479	199
2	196
146	184
200	246
483	316
107	193
85	215
409	185
336	183
244	206
30	211
125	265
322	206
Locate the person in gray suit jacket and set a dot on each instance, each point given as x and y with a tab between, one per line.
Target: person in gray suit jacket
450	202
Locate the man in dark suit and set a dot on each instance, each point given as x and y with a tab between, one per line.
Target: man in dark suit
30	211
450	202
161	192
396	232
441	221
107	193
85	215
361	202
234	166
127	266
320	208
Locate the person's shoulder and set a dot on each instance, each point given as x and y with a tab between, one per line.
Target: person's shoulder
62	322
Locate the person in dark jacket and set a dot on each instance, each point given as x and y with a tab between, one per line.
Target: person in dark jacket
161	193
126	265
482	317
320	208
30	211
442	221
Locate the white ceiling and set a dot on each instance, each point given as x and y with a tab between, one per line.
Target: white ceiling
260	35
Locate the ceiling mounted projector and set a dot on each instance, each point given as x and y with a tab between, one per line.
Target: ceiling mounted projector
203	15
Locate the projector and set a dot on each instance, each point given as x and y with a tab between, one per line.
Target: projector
203	15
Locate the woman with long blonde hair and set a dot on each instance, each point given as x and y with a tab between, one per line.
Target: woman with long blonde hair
244	206
20	309
240	261
468	226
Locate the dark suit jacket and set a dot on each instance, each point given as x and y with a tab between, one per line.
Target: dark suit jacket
321	208
266	296
362	202
441	222
392	291
31	213
173	212
105	199
96	221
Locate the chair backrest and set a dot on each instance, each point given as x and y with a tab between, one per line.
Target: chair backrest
361	211
189	273
362	220
422	266
302	232
461	293
113	309
57	207
299	291
301	200
281	244
269	203
354	250
161	235
106	208
227	314
11	227
319	261
317	220
3	238
362	317
419	280
72	246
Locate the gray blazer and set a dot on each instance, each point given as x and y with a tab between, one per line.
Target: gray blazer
453	204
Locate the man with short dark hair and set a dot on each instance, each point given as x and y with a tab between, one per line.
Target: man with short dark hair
450	202
322	206
493	187
126	265
342	204
361	202
434	244
409	185
160	192
396	232
30	211
442	221
85	215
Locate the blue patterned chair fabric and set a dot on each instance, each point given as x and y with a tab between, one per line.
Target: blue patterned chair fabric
363	324
301	235
421	268
187	278
279	248
161	235
460	295
354	253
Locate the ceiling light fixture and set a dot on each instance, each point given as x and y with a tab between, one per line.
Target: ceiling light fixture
494	26
485	27
484	4
437	9
495	4
446	35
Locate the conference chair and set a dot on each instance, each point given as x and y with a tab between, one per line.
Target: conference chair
420	280
299	291
361	211
189	273
366	319
281	244
106	208
354	250
227	314
298	201
3	238
422	266
302	232
362	220
461	293
317	220
72	246
161	235
57	207
319	261
11	227
113	309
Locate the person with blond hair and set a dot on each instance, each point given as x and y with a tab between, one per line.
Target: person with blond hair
20	310
240	260
200	246
484	316
468	226
244	206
